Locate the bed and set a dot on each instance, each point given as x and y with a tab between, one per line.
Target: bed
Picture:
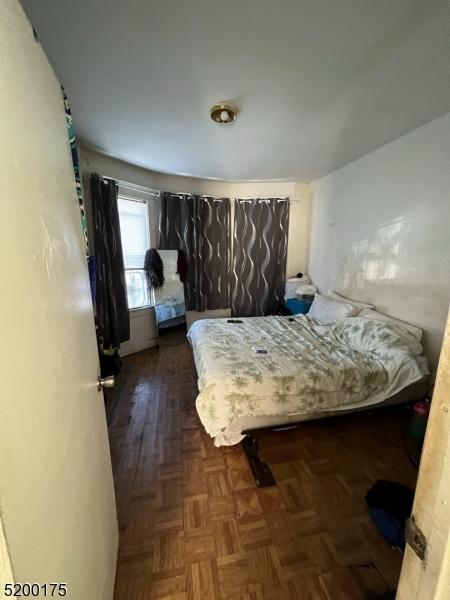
169	304
309	370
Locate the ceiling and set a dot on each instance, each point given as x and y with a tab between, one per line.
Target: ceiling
319	83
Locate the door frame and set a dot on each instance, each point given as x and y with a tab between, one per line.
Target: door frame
430	578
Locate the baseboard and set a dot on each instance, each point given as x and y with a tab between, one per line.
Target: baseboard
131	347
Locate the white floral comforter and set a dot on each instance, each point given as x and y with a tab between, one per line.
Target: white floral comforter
308	368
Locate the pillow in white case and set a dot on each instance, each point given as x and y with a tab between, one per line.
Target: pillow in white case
357	306
367	313
329	311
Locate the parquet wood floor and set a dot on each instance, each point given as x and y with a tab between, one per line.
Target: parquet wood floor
193	525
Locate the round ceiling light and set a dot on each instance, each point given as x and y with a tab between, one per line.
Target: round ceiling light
223	113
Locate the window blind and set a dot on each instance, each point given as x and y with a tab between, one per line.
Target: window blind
133	217
134	232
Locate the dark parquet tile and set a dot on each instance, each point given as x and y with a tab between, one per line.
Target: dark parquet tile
193	525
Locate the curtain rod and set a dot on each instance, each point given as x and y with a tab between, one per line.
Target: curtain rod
215	198
132	186
147	190
156	192
250	199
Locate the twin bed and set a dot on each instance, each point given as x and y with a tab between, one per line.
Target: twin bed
264	372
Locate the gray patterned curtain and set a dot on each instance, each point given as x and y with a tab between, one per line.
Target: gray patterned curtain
259	256
200	226
111	291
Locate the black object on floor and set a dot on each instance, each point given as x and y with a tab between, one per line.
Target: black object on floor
110	364
390	505
261	471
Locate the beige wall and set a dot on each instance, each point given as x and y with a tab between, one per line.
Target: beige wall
91	161
380	230
300	195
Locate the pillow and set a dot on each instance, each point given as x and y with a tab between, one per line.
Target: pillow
369	335
367	313
328	311
306	289
357	306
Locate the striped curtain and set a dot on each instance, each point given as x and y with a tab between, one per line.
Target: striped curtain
259	256
113	316
200	226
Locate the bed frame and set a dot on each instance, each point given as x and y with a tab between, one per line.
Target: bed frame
261	470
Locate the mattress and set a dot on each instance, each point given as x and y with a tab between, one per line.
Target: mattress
234	432
307	369
169	311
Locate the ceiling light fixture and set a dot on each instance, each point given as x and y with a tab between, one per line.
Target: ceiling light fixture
224	113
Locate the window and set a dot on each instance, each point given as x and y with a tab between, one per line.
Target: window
134	229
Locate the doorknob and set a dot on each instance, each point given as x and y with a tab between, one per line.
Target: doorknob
105	382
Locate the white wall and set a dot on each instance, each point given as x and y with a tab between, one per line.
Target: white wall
380	230
299	227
